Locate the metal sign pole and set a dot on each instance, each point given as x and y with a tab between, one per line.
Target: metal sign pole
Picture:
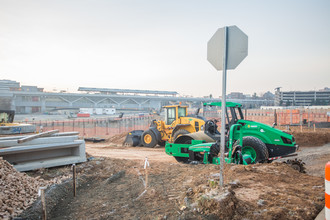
226	49
223	109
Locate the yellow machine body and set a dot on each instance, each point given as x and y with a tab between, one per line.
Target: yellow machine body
176	123
176	119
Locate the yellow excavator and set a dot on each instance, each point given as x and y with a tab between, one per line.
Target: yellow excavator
6	117
7	125
176	123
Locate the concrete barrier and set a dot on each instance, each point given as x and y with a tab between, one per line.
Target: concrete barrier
43	152
13	142
53	135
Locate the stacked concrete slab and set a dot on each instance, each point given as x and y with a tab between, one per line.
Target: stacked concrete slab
17	129
43	152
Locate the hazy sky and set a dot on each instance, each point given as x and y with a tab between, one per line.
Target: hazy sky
161	45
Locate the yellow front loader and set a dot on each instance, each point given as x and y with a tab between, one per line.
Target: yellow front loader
176	123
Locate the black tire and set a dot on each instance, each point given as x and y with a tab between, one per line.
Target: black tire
148	139
259	147
178	133
136	141
182	159
214	149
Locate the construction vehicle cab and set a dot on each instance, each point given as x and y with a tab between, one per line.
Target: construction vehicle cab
233	115
174	112
6	117
176	123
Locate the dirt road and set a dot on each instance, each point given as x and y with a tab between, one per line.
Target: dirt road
129	153
315	158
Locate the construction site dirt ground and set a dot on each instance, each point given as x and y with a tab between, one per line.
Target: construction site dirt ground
111	185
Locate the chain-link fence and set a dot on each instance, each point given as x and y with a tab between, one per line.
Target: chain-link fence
100	127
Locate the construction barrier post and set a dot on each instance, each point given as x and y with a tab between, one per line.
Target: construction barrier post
74	179
327	191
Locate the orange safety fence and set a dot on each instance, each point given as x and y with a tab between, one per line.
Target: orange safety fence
282	116
327	191
288	117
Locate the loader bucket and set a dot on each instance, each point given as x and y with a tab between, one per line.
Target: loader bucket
133	138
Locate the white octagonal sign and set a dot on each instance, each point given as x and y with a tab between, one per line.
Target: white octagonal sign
237	47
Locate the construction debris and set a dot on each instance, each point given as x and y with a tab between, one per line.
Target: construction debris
18	190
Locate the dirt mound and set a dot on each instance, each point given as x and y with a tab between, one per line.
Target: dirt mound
117	139
311	138
18	190
262	191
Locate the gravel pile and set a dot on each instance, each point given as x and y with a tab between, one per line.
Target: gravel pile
18	190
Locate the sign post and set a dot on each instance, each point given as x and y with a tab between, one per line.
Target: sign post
223	108
226	50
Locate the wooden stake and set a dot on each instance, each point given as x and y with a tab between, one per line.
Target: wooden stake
74	179
300	128
43	202
314	127
146	178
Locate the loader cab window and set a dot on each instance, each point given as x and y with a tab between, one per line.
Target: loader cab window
182	112
229	115
170	115
239	113
233	115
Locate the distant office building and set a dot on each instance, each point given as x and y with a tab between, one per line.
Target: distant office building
302	98
236	95
7	85
31	89
268	96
